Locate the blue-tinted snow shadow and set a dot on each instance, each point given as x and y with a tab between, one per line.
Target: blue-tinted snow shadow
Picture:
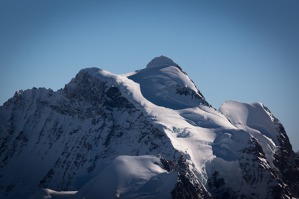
199	120
163	90
228	143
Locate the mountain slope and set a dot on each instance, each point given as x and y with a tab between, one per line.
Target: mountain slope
146	134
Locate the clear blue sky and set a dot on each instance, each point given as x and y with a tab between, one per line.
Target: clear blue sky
240	50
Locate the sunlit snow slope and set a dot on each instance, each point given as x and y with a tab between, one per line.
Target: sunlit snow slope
146	134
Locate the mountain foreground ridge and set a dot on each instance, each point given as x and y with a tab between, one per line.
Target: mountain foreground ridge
146	134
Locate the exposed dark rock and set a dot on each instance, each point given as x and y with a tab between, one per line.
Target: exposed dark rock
187	185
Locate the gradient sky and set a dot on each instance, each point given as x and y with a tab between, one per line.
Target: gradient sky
233	50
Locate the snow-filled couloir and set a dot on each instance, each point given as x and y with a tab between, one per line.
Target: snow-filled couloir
146	134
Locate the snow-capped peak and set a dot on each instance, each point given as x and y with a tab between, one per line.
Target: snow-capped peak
91	71
161	61
165	84
146	134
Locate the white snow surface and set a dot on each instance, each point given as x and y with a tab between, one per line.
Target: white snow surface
251	115
124	177
48	193
254	119
131	177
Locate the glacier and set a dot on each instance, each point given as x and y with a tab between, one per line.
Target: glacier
146	134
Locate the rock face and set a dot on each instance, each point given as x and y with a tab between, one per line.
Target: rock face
150	134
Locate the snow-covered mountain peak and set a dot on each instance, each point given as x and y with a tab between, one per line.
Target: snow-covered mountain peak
145	134
91	70
161	61
165	84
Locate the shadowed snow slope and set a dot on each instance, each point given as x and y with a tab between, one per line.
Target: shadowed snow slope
147	134
165	84
131	177
160	61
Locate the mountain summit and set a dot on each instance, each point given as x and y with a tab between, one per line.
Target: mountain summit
164	83
147	134
161	61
